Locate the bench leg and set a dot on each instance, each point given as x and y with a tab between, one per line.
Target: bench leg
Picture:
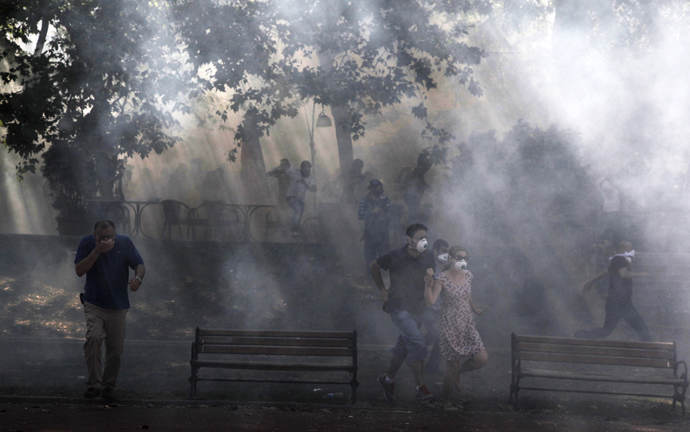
513	398
679	396
681	400
354	384
192	383
675	398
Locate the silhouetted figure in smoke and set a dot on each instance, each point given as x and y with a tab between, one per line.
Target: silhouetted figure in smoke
404	301
280	173
351	181
414	186
374	210
440	251
106	258
301	181
459	337
216	185
619	304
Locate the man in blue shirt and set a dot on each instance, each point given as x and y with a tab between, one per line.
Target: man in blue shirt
105	258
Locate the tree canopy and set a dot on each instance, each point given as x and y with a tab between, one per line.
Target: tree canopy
357	55
100	80
98	88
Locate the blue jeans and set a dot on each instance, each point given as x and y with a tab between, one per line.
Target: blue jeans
411	344
298	207
432	335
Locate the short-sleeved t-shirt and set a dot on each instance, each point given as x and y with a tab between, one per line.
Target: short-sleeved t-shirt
620	289
298	188
407	278
107	281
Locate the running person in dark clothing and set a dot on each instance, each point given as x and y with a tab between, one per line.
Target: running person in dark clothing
619	304
404	302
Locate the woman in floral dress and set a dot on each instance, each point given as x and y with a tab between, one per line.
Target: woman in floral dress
459	338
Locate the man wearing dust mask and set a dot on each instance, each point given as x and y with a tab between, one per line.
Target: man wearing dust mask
404	302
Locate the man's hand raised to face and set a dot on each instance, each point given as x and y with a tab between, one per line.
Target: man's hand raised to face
105	245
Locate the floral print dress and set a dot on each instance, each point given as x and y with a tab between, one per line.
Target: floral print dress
459	337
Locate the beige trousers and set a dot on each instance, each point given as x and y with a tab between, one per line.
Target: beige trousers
103	325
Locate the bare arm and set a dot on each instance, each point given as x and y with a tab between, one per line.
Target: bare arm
588	285
139	273
275	172
475	309
375	270
431	292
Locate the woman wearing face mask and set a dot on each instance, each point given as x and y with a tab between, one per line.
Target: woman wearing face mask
459	338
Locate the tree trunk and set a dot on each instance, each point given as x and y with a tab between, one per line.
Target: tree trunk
340	117
253	169
45	24
343	136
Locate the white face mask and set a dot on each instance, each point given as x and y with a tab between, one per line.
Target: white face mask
460	265
422	245
627	255
443	258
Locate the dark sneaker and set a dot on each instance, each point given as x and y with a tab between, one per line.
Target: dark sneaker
92	393
108	395
388	388
424	395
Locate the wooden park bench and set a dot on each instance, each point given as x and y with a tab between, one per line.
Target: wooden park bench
275	350
635	363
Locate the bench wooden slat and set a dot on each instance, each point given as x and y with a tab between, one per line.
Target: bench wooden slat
269	350
592	359
273	341
540	373
304	367
595	350
596	342
276	333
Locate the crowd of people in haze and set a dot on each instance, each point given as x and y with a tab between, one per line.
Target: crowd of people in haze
428	299
354	186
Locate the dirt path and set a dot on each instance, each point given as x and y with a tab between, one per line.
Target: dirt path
29	417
